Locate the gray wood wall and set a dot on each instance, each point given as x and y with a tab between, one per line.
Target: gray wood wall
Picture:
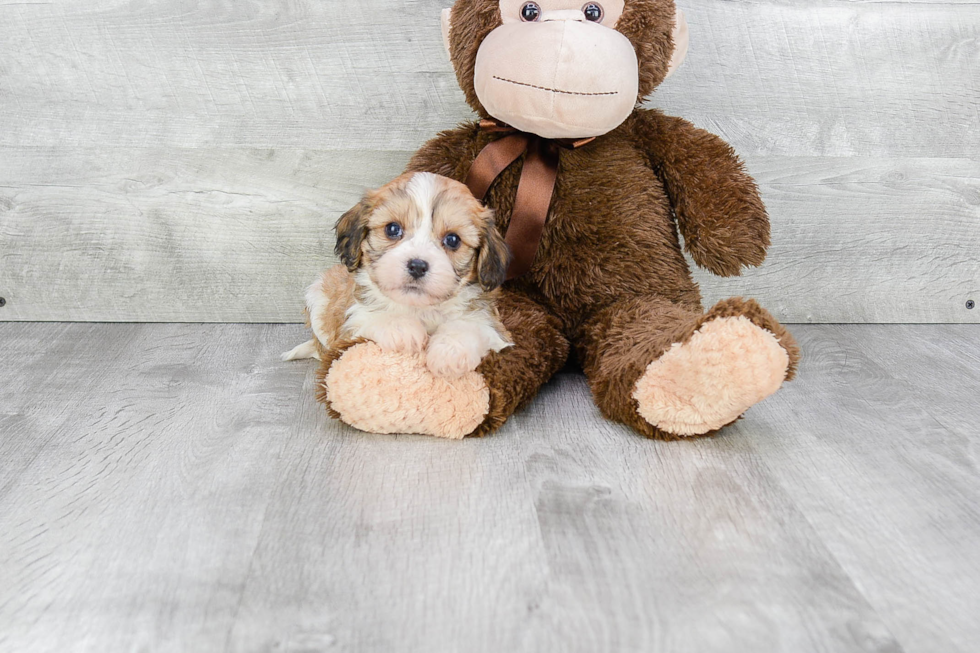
178	160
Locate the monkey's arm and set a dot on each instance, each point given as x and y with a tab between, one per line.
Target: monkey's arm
719	211
449	154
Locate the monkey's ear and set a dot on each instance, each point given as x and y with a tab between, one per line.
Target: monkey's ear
682	40
493	259
447	19
352	229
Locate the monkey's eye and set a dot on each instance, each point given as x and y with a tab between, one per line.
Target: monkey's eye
530	12
452	242
393	230
593	12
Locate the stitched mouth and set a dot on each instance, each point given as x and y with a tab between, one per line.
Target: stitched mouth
553	90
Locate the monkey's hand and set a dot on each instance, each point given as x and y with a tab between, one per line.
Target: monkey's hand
719	211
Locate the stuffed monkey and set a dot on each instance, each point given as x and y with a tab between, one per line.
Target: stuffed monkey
594	194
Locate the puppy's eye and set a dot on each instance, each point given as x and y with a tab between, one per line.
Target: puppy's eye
452	242
393	230
530	12
593	12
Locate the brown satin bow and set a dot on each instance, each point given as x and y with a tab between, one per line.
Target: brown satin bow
534	191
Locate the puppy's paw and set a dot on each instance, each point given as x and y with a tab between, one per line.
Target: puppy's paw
454	353
401	335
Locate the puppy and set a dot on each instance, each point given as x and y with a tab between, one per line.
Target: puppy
422	261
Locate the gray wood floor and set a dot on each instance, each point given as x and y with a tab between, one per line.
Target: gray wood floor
176	488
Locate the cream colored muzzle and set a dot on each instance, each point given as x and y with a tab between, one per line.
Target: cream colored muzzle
562	77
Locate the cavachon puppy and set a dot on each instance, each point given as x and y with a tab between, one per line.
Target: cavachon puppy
422	262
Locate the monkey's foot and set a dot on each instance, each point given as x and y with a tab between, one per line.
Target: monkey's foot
391	392
699	386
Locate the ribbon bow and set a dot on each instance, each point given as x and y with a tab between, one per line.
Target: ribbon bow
534	191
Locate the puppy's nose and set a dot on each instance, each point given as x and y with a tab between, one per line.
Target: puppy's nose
417	268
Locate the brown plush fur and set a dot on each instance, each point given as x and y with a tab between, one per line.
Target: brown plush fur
609	275
539	346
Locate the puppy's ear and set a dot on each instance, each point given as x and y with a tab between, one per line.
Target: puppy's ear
352	229
494	257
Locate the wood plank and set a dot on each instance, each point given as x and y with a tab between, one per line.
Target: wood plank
235	235
866	240
689	546
175	487
143	465
953	351
779	78
833	77
172	235
886	471
379	543
56	359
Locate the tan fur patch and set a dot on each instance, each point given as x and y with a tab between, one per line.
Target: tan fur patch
333	294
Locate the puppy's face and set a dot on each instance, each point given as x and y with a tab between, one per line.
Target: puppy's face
422	238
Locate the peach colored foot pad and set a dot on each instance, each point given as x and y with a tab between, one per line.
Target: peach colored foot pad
727	366
387	392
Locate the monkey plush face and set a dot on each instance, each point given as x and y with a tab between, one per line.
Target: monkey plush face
562	68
